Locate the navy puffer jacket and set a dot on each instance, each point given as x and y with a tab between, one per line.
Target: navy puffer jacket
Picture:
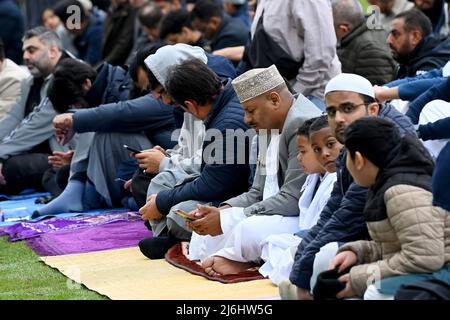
217	181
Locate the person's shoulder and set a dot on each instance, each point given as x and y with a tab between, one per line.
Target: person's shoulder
95	26
233	24
221	66
409	195
373	39
401	121
9	9
12	72
232	111
302	109
230	117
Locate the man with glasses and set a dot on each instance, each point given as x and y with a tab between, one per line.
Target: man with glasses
156	161
224	168
164	169
348	97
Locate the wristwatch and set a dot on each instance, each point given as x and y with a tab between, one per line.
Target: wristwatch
417	127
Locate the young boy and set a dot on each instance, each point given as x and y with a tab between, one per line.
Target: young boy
317	151
409	235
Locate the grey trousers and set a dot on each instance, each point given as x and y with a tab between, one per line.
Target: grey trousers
175	224
105	155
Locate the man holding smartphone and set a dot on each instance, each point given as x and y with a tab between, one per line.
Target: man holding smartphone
213	101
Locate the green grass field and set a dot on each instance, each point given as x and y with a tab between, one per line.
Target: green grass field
24	277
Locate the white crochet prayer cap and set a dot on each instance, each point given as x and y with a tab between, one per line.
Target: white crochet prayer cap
350	82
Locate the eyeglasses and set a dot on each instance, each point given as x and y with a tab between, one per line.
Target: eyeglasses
346	108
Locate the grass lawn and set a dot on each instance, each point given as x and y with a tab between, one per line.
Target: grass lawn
24	277
364	4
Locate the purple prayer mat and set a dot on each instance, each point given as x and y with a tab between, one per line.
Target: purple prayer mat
116	235
26	230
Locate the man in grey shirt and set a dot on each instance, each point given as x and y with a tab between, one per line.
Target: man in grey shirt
26	132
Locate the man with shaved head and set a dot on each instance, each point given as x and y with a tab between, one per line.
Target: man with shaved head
361	50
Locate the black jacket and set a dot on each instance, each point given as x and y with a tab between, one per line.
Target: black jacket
232	33
12	29
409	164
430	53
118	34
365	52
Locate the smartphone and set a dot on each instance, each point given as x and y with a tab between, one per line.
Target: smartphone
132	149
185	215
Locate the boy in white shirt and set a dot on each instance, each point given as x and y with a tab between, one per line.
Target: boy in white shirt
318	151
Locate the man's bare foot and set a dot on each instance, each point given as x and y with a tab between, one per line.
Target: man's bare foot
215	266
207	266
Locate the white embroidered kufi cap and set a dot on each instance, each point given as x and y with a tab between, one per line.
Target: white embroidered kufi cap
255	82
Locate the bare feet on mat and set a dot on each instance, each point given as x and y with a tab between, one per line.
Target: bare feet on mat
216	266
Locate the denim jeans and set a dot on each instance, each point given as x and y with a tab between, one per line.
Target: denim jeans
390	285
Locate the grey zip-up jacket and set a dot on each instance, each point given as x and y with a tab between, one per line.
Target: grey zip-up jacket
18	134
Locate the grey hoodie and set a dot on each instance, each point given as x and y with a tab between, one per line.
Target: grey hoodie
186	158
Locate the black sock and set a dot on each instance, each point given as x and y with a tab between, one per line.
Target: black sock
156	248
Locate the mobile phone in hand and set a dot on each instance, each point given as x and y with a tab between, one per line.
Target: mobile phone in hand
131	149
185	215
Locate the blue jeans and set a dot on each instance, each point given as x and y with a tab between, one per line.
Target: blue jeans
392	284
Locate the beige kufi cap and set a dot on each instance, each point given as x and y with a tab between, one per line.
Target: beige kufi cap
255	82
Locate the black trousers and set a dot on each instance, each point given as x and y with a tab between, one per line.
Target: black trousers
55	180
23	172
139	185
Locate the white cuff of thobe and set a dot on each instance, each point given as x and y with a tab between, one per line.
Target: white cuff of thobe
230	217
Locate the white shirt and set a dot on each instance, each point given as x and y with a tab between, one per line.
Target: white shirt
271	186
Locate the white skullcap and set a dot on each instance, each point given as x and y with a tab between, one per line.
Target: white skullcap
352	83
255	82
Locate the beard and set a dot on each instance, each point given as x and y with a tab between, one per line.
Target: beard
402	54
429	8
34	70
339	134
395	54
39	68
